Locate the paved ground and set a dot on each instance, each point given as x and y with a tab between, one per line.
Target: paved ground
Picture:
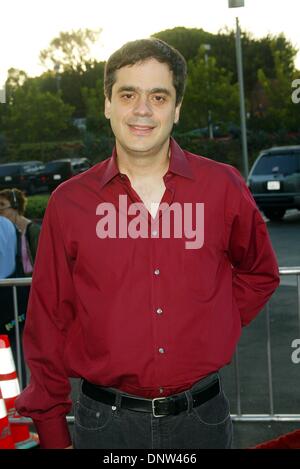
284	327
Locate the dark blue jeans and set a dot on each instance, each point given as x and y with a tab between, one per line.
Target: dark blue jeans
101	426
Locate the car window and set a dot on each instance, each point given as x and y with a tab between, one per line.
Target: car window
30	168
80	165
9	170
280	163
53	166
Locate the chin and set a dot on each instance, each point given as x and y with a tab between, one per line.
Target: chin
140	145
140	148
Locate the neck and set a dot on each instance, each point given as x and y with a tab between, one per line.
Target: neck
21	222
143	164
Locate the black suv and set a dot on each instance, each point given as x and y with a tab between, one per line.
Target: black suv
58	171
274	180
26	176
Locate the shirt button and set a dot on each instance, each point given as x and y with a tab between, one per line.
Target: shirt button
159	311
161	350
154	233
161	390
157	271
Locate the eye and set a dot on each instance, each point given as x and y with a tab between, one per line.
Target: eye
157	98
127	96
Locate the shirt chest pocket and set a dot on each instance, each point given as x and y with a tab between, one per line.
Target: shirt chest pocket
202	270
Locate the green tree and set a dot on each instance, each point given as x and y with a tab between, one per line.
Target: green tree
280	112
186	40
70	50
15	78
33	116
94	103
209	88
71	83
257	53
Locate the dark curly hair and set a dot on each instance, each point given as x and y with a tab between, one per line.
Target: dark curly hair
140	51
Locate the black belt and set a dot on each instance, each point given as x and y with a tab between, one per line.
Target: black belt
159	406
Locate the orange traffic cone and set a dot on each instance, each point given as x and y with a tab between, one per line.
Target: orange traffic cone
6	440
9	385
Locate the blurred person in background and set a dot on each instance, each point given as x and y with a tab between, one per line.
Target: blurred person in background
12	206
8	254
8	247
24	236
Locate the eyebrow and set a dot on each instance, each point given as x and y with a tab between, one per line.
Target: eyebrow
138	89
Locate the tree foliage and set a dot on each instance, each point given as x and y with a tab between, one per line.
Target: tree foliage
33	116
209	88
280	112
94	104
70	50
257	53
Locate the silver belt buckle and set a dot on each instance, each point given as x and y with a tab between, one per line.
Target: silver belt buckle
153	406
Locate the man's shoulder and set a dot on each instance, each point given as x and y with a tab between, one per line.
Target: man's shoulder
209	168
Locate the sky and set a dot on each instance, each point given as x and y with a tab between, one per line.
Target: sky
28	26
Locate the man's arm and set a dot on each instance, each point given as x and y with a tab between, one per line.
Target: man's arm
255	270
49	314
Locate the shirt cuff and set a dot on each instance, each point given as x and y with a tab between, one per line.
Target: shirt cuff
53	433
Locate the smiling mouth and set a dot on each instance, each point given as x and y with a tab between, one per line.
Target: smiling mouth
140	129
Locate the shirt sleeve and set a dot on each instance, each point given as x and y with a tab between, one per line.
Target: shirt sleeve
254	265
49	314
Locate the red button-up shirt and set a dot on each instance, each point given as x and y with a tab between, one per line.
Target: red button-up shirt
145	315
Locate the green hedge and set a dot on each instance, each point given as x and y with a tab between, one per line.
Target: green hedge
36	206
94	148
230	150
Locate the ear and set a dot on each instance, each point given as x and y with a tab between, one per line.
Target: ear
107	107
177	113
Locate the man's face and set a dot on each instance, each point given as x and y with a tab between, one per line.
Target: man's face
142	109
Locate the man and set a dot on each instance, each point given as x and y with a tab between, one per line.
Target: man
127	295
8	246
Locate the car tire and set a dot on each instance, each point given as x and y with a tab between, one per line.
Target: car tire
274	214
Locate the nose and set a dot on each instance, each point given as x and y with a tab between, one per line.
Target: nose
142	107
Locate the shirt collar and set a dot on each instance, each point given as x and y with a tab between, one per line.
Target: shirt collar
178	164
178	161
